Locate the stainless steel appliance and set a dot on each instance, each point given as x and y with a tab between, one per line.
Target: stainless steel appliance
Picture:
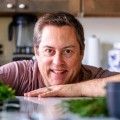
21	29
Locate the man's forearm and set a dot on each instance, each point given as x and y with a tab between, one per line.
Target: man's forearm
96	87
90	88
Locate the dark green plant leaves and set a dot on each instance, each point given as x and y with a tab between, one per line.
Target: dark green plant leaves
6	92
92	107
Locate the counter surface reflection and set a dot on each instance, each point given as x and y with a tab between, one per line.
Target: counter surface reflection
33	108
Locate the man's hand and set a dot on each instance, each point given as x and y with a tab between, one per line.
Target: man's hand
91	88
68	90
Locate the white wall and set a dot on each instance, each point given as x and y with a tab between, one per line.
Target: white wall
106	29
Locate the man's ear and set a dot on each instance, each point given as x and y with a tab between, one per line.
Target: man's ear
36	51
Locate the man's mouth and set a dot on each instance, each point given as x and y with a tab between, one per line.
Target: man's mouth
58	71
58	75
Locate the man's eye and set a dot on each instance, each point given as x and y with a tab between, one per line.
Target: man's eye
48	52
68	53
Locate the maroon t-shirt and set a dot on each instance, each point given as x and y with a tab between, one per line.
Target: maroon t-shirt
24	76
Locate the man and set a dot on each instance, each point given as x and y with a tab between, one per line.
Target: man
57	70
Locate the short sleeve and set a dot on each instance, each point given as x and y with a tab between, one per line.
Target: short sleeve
91	72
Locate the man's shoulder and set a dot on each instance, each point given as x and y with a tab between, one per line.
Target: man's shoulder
22	64
91	68
25	62
96	72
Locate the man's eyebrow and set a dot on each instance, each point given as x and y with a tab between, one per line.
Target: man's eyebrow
47	46
70	46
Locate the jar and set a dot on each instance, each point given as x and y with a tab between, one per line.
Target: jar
114	58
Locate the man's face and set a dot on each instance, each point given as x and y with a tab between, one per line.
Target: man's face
58	55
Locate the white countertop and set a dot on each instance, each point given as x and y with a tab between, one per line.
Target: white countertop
33	108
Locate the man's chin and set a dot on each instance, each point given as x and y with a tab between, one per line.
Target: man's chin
56	83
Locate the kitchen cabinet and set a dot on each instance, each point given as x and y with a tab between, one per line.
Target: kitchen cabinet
7	6
101	7
76	7
39	6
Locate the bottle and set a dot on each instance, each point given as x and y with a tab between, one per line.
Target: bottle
114	58
93	51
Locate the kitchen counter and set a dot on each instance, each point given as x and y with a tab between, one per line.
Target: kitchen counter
33	108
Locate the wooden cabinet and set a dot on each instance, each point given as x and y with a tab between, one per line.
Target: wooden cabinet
39	6
81	7
7	6
23	6
101	7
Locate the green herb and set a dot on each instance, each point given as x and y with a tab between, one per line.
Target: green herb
92	107
6	92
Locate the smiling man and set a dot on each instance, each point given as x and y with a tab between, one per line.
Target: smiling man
58	55
57	69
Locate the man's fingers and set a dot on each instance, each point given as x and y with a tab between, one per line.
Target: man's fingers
35	93
48	94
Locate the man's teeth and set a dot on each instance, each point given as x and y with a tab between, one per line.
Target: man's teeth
58	71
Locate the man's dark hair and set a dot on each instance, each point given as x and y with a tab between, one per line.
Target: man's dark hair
59	19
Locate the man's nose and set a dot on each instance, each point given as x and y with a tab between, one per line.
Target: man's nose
58	59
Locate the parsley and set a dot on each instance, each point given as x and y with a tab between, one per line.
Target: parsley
92	107
6	92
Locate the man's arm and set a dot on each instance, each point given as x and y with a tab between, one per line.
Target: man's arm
91	88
